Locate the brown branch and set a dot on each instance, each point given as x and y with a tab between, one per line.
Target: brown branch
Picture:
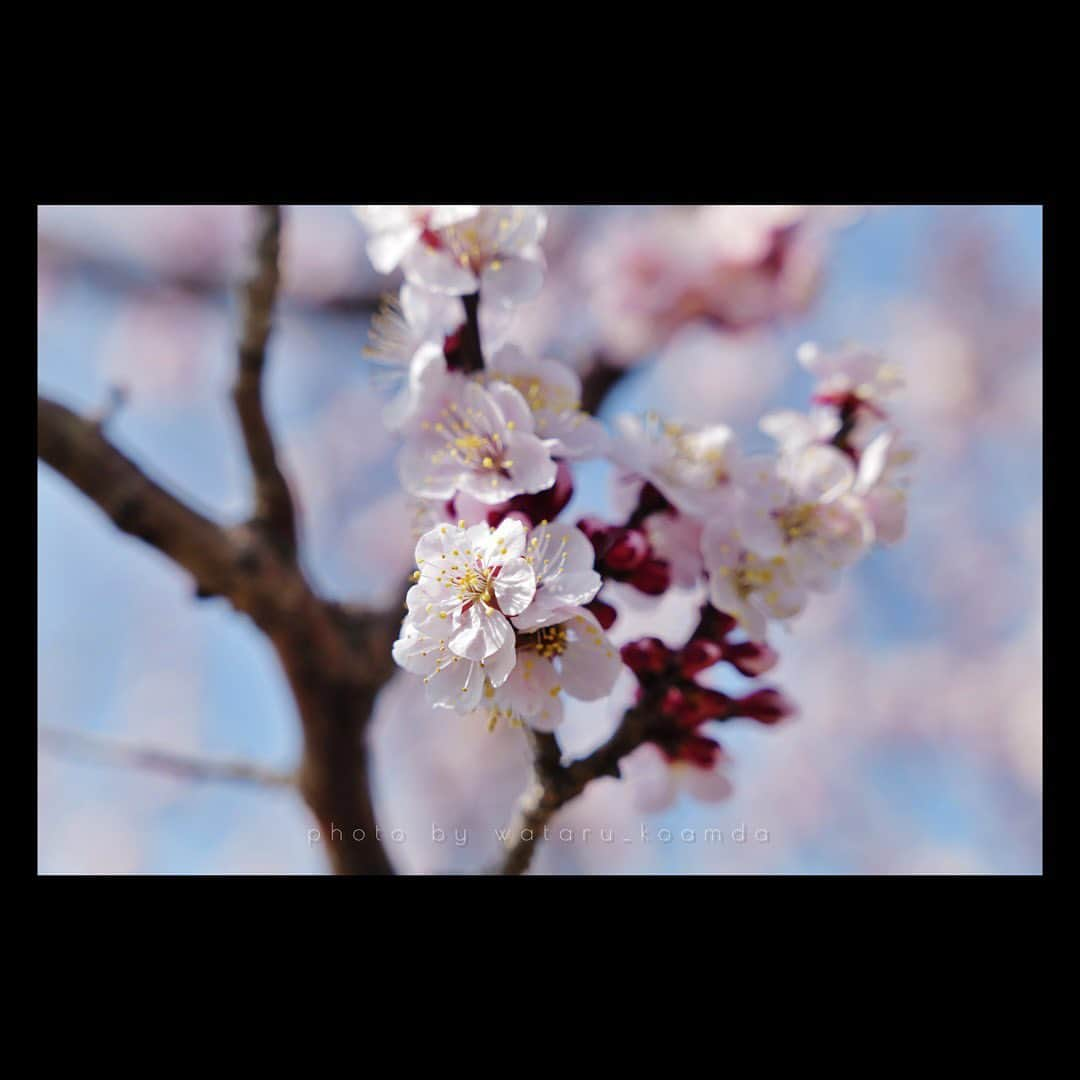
87	747
601	378
554	784
472	351
335	661
123	277
274	512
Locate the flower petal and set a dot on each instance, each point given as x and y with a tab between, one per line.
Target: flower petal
590	665
515	586
510	280
478	632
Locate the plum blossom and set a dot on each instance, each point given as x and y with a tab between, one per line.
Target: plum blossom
413	318
694	467
656	778
800	509
560	644
409	334
562	559
553	392
465	437
882	482
794	431
457	633
571	654
676	539
850	373
750	588
495	251
412	330
394	232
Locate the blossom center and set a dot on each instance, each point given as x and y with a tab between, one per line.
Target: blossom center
548	642
465	442
796	521
475	583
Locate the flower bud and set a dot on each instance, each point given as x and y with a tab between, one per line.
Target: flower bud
698	655
646	656
750	657
627	550
652	577
605	613
765	706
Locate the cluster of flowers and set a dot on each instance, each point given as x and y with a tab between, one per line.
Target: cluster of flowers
767	530
504	615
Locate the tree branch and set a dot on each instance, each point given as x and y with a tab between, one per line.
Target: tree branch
601	378
335	660
83	746
274	512
554	784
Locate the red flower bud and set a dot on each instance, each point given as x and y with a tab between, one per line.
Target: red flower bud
674	704
714	625
646	656
698	655
605	613
698	750
751	658
710	705
597	533
627	550
765	706
544	506
652	577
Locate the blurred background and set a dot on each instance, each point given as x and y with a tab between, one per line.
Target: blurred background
919	745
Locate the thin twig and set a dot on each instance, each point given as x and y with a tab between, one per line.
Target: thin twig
274	511
601	378
554	784
472	351
83	746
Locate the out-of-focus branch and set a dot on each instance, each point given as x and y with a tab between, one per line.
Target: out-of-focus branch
472	352
76	448
335	660
601	378
83	746
274	511
121	277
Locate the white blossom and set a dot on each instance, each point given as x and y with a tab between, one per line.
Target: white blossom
413	330
553	393
394	232
747	586
694	467
676	538
494	252
572	654
799	507
882	482
457	631
655	781
466	437
562	559
851	370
